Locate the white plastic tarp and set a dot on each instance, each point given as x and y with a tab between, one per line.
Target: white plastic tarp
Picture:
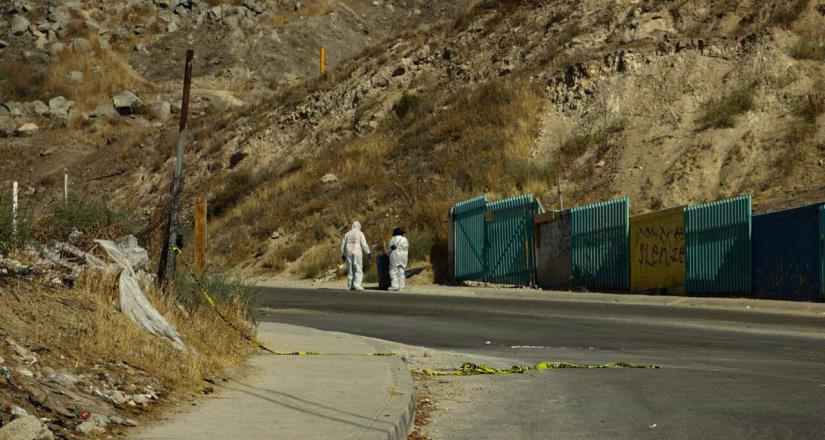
133	303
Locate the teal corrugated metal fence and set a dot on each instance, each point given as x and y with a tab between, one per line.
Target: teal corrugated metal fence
468	230
599	245
718	247
822	251
510	246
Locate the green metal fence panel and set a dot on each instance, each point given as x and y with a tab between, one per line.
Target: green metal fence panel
718	247
510	247
468	238
599	245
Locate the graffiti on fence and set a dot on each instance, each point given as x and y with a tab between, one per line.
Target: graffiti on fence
657	251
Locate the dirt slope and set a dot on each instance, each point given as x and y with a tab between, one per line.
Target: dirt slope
669	102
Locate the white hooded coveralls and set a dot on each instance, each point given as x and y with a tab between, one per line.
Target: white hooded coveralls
398	261
353	247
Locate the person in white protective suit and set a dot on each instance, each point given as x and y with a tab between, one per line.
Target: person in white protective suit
399	253
353	248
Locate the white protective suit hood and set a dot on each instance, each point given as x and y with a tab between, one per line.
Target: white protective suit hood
356	226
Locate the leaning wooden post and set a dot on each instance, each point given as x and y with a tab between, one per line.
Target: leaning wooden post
166	265
200	236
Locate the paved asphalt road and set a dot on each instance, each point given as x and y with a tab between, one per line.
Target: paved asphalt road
724	375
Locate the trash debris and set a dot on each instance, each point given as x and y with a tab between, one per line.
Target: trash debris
133	303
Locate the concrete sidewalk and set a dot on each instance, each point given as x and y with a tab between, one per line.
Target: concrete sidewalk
344	396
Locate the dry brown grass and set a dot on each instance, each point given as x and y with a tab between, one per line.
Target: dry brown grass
399	175
105	75
82	327
314	8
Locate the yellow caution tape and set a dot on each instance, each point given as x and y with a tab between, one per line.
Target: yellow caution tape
470	369
467	369
249	338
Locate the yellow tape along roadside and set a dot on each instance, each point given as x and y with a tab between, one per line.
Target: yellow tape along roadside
467	369
247	337
470	369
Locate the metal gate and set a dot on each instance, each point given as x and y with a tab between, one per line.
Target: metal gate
718	247
599	245
509	241
822	252
468	230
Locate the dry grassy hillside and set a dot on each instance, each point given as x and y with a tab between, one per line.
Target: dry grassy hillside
667	101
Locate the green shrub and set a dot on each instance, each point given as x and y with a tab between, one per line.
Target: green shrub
10	241
520	170
318	261
92	217
786	12
406	105
807	49
221	288
721	112
810	107
421	241
576	144
238	186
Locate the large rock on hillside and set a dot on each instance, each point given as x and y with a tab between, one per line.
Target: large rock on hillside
19	25
60	106
26	428
126	103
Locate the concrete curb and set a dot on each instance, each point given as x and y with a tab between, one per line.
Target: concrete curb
402	405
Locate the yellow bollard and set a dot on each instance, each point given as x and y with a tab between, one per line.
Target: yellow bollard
323	61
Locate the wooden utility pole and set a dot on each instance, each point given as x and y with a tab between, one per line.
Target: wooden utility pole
200	236
166	265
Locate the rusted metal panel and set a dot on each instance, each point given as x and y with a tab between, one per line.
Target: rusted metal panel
657	252
553	264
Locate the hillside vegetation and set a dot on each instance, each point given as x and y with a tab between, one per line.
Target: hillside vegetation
666	101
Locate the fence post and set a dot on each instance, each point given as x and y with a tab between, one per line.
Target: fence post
65	185
561	184
14	206
200	236
166	266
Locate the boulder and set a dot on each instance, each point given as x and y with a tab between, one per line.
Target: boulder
19	25
40	108
60	106
126	103
222	100
4	44
16	109
7	127
160	110
103	111
329	179
27	129
80	45
26	428
75	76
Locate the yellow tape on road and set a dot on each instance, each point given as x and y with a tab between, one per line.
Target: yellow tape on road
467	369
470	369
